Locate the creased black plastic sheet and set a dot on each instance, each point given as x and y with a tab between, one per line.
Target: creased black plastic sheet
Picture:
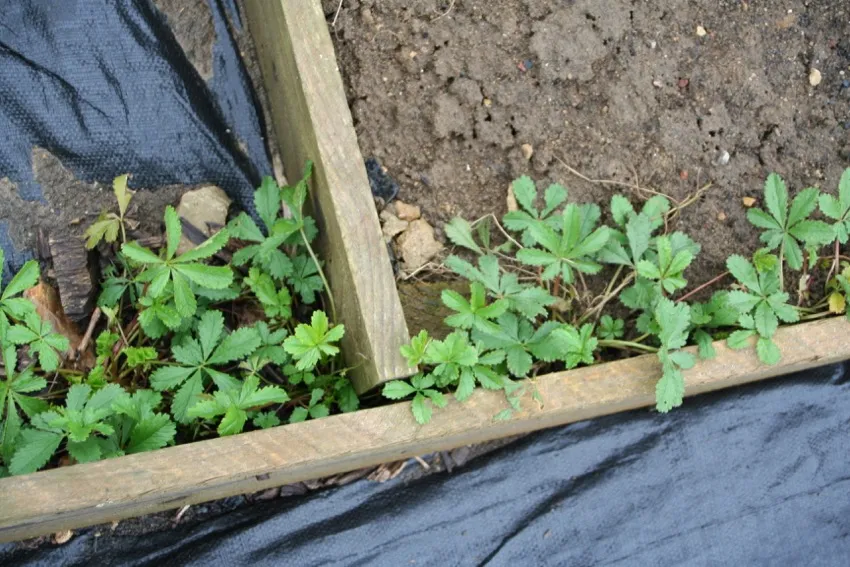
105	86
756	475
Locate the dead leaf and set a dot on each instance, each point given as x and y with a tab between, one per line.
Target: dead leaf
49	307
837	303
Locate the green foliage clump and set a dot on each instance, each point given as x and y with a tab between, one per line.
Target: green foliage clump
529	309
192	346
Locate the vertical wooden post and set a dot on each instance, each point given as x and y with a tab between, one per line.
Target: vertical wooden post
312	121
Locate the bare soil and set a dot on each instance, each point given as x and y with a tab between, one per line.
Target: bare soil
446	93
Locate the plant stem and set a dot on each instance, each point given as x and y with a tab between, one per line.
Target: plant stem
820	315
626	345
321	273
608	297
703	286
782	266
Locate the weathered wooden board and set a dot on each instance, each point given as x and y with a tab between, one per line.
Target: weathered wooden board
109	490
312	122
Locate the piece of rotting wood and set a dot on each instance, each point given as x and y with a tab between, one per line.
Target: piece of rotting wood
83	495
312	121
71	272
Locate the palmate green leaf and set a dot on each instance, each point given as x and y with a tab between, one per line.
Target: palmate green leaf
610	328
786	229
414	353
459	232
267	201
474	311
740	339
206	249
41	339
173	231
838	209
530	301
266	420
565	252
674	320
310	343
235	346
152	432
34	451
277	303
743	271
305	279
776	198
105	228
525	192
26	278
397	390
670	389
768	351
140	254
213	277
621	210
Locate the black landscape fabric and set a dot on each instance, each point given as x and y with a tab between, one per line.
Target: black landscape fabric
105	86
756	475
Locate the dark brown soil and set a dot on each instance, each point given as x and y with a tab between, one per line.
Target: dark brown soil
628	91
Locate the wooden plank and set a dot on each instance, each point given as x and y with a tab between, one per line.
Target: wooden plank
312	122
82	495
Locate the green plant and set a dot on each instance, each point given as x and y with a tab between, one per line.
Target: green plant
761	305
786	228
107	225
518	322
172	275
221	349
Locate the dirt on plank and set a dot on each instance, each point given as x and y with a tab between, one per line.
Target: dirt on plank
668	95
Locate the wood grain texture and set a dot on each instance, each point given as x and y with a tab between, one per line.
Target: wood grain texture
82	495
312	121
71	271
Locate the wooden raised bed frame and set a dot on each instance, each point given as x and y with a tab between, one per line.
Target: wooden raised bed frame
312	121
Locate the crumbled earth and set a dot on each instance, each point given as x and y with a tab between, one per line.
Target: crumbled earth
668	94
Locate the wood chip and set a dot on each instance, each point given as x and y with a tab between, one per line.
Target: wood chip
748	202
71	266
60	538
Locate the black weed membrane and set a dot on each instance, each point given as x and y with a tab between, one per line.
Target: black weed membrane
105	86
756	475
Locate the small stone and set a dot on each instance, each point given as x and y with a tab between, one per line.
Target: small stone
510	199
417	245
62	537
205	209
683	175
815	77
407	212
701	31
657	84
488	103
391	225
721	216
748	202
722	158
527	151
683	83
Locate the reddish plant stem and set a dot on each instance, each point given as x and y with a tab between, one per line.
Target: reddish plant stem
703	286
